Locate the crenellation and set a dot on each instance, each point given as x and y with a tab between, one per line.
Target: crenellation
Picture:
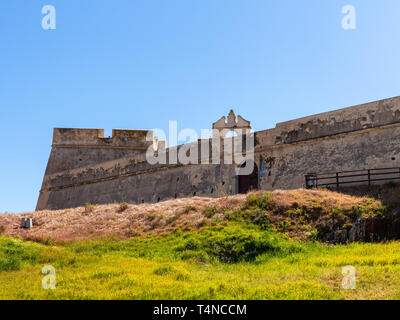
67	137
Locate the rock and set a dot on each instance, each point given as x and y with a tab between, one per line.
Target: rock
26	223
370	229
356	233
341	236
394	214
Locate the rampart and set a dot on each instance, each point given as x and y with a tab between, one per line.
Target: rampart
86	167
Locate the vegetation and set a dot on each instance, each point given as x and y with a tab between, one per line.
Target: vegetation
229	261
300	214
261	246
392	184
123	206
89	207
305	218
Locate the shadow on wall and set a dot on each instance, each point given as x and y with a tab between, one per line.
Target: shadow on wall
249	182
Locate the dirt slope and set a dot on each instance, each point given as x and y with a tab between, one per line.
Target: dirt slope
184	214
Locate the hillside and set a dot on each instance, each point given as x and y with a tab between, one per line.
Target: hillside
256	246
302	214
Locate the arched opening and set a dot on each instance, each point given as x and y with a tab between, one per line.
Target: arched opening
246	183
231	134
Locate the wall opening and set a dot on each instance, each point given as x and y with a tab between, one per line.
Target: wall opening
249	182
108	133
231	134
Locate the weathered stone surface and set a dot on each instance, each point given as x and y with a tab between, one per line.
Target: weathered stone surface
86	167
26	223
357	232
231	123
341	236
372	229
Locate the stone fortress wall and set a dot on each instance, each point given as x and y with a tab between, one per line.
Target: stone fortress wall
86	167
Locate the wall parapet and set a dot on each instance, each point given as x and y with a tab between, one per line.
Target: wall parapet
70	137
365	116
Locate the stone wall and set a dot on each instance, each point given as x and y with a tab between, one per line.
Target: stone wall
155	186
287	165
130	178
86	167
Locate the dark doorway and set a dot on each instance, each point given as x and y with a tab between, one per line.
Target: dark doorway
249	182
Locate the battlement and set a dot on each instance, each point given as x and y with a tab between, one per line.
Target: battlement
136	139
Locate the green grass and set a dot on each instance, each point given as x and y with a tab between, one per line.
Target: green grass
231	261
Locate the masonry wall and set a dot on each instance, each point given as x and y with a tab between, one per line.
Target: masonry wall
86	167
361	137
133	179
73	150
184	181
366	149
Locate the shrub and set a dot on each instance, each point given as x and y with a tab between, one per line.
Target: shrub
170	220
262	201
89	207
151	216
47	241
233	243
337	213
192	244
284	225
195	256
262	220
313	235
232	248
10	263
13	253
210	212
178	273
123	206
391	184
189	208
163	270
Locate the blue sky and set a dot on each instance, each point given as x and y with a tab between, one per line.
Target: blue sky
136	64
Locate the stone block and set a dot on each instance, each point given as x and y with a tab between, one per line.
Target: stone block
26	223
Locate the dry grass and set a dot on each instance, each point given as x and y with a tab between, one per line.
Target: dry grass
387	193
308	198
109	220
151	219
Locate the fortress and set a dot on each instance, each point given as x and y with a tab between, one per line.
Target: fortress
84	166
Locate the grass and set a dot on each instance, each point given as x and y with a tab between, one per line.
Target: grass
230	248
288	211
89	207
231	261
